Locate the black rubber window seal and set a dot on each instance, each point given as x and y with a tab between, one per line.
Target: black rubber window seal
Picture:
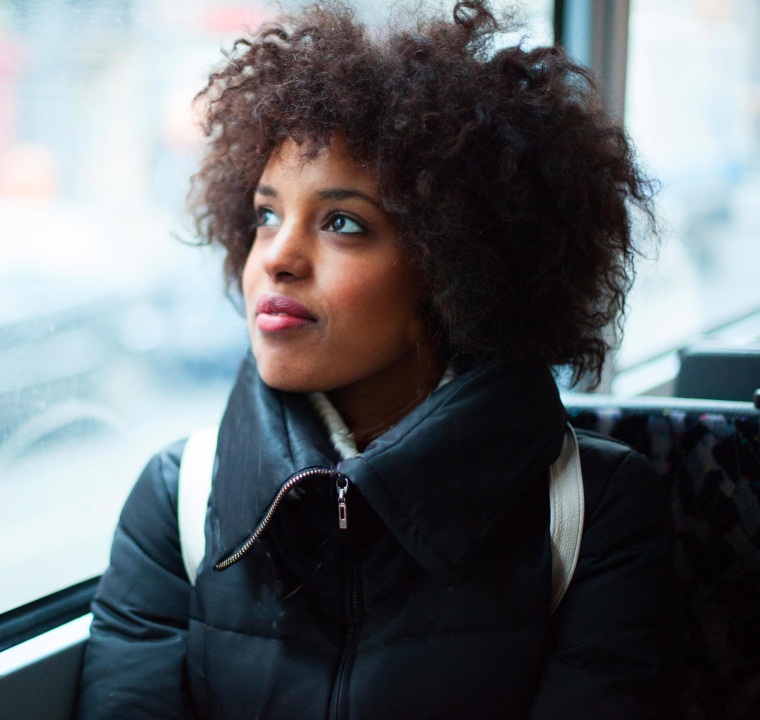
46	613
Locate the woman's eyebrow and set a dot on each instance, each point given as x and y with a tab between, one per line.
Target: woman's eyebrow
328	194
344	193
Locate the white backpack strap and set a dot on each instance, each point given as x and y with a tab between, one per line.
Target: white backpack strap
196	472
566	509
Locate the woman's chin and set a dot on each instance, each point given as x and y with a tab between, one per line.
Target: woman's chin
280	376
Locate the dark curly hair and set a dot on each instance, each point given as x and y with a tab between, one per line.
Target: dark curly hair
511	188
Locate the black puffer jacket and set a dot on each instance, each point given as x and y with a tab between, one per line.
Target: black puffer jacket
434	603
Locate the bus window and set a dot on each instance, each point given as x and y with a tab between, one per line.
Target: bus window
693	109
115	337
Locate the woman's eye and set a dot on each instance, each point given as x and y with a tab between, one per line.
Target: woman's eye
267	218
343	224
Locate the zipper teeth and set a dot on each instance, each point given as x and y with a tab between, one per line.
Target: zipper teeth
284	490
354	598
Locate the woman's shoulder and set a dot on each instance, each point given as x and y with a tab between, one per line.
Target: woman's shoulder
160	477
619	617
614	473
147	527
136	651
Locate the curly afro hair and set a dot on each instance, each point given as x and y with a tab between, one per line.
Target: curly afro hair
512	190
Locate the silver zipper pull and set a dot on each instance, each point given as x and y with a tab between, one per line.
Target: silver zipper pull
342	484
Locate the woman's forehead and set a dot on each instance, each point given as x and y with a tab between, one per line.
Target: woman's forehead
331	164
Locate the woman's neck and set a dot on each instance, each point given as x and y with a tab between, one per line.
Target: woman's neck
375	404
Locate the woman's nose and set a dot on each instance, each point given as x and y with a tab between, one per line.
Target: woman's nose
287	255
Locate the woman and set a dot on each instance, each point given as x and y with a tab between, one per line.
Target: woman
420	226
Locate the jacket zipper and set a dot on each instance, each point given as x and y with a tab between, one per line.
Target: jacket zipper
341	482
340	706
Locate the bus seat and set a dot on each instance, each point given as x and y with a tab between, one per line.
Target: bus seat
720	370
708	455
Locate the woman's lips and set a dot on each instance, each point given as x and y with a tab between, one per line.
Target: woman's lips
279	312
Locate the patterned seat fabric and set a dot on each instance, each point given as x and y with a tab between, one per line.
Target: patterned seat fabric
709	459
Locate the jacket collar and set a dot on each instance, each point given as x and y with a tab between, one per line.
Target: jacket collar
439	479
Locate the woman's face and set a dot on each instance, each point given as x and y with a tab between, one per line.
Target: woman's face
331	302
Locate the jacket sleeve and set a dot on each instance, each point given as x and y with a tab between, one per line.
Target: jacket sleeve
615	636
134	665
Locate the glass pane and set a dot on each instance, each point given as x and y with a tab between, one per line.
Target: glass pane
538	18
693	108
115	337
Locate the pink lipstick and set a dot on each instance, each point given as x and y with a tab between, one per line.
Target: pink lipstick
275	313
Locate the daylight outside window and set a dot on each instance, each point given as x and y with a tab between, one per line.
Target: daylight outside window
693	109
115	337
